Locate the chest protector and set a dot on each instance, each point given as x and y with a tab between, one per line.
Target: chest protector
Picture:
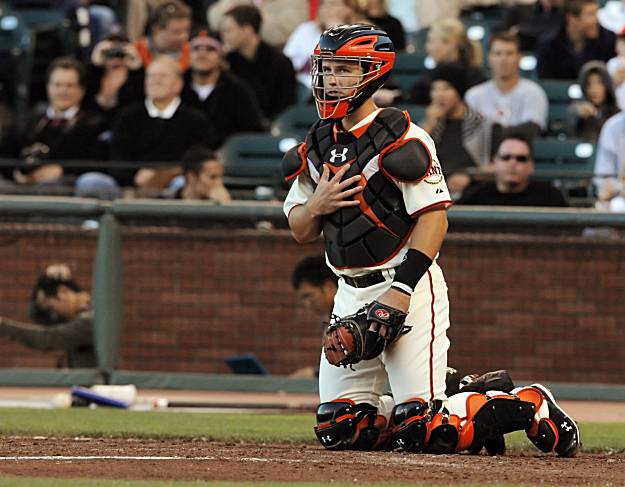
374	231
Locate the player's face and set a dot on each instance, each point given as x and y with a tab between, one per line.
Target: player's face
204	58
341	77
595	89
317	299
162	82
173	35
513	163
64	90
211	177
504	58
444	95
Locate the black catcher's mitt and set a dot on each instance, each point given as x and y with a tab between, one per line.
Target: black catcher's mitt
348	340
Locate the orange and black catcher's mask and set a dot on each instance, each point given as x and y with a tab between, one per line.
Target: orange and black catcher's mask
337	91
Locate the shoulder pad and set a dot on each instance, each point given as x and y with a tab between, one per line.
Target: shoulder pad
408	161
293	162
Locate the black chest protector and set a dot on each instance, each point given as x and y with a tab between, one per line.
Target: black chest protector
374	231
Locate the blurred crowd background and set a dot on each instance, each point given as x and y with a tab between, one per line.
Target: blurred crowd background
199	99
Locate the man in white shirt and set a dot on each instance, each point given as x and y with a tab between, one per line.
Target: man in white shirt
517	104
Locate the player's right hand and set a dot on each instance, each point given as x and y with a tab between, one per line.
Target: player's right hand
333	194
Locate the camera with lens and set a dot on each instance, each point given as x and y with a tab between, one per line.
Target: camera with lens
115	53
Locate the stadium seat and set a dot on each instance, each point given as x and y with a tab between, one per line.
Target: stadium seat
560	94
252	160
295	121
569	163
407	69
16	61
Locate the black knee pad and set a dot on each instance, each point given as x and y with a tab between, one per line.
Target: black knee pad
344	425
409	421
546	438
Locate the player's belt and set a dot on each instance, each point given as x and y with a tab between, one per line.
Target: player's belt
367	280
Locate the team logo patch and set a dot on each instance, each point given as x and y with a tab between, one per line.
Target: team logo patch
382	314
434	175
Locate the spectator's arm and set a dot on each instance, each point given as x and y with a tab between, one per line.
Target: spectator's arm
74	333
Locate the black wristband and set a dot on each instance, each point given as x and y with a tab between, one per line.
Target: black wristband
411	270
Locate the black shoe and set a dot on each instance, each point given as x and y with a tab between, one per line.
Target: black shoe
568	432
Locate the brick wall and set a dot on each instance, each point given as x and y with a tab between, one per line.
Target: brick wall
546	308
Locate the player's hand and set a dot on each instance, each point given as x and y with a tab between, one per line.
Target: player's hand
333	194
397	300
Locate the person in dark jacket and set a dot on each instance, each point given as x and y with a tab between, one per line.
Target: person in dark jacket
588	115
63	319
226	100
269	73
160	129
580	39
513	165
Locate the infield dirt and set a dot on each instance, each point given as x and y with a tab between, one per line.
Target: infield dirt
202	460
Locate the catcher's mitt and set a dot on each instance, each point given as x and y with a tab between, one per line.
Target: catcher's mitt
348	340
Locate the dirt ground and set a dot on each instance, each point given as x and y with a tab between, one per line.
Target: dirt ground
198	460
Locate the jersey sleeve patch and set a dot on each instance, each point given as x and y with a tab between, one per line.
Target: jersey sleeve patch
409	162
294	162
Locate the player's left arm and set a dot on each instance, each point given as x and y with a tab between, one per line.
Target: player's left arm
425	242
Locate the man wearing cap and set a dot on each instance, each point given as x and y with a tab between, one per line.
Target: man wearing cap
227	101
463	137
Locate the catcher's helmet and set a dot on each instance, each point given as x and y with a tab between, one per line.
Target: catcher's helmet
364	44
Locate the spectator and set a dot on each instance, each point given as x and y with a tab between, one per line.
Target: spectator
203	177
516	104
612	15
281	17
65	129
463	137
513	166
169	25
225	99
268	72
579	39
447	42
616	68
315	285
376	12
64	319
305	37
115	76
531	21
598	104
160	129
609	168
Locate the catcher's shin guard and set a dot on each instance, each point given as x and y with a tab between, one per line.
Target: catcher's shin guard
489	418
344	425
409	422
443	433
551	429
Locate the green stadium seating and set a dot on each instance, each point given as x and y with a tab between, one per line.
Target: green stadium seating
407	68
416	112
560	94
252	160
295	120
569	163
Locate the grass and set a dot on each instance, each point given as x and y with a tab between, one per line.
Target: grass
253	428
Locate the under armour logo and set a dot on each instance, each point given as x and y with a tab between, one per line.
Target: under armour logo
400	442
438	191
342	155
566	426
326	439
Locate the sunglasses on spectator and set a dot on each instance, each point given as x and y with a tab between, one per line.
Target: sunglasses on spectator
518	157
204	47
